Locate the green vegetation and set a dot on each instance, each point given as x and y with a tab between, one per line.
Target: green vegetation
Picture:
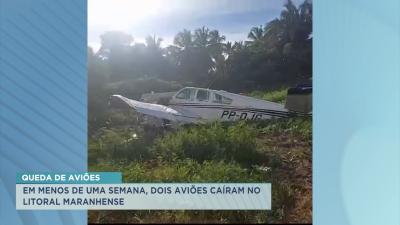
186	170
273	96
276	56
276	151
210	142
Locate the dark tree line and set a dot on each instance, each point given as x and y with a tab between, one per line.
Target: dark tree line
275	55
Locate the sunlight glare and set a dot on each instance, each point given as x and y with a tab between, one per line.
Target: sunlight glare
122	14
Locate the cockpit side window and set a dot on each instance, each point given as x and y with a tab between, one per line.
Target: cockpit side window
203	95
222	99
187	94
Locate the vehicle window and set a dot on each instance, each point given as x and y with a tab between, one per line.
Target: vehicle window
203	95
221	99
186	93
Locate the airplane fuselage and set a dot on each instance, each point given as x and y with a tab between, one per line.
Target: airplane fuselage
212	105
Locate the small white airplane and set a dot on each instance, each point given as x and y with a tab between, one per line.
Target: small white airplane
200	105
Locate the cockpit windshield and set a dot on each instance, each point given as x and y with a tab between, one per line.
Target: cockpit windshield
186	94
202	95
221	99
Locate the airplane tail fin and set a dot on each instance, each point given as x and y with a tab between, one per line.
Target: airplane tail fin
299	99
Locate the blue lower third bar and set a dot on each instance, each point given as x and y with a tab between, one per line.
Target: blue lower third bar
70	178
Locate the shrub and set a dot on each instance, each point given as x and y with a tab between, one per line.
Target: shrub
273	96
283	198
189	170
117	144
301	126
209	142
242	144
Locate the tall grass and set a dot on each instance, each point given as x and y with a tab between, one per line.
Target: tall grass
210	142
276	151
278	96
300	127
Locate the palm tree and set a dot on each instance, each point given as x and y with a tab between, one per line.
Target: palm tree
256	34
215	37
293	26
153	42
228	48
215	43
306	16
290	21
184	39
306	10
273	32
238	46
201	37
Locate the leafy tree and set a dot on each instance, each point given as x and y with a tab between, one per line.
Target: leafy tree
256	34
113	40
184	39
196	54
154	43
275	55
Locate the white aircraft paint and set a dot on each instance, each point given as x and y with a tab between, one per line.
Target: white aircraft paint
198	105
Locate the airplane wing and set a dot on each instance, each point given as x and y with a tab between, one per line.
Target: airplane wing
159	111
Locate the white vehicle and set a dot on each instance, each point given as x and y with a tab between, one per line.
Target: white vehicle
199	105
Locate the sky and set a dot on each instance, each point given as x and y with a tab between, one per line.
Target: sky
165	18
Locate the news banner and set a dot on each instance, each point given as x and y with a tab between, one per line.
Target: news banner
105	190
